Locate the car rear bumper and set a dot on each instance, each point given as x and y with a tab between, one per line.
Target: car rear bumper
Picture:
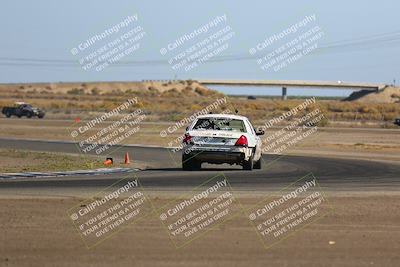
217	155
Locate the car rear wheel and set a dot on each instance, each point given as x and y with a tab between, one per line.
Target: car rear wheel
190	164
257	164
248	164
8	114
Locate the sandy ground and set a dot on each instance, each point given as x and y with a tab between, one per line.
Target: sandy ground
361	230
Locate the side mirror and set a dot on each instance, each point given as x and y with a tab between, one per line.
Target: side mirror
260	132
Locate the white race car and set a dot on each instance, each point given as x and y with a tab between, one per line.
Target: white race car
221	138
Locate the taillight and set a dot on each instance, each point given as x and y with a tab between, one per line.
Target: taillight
187	139
242	141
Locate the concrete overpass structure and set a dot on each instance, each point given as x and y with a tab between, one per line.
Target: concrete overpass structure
297	84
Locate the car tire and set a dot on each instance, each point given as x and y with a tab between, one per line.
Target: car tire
248	165
257	164
186	166
186	163
191	165
196	166
8	114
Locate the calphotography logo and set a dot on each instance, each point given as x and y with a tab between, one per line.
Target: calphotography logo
281	49
294	207
99	134
199	46
182	150
296	125
111	210
207	206
110	46
214	106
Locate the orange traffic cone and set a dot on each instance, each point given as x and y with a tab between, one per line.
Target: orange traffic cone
108	161
127	161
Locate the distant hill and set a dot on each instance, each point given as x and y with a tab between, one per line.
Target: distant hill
387	95
100	88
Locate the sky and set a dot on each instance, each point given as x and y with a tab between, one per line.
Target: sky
360	42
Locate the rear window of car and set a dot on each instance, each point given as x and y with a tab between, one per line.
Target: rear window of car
220	124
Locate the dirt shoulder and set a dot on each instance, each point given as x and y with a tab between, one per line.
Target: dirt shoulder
29	161
359	232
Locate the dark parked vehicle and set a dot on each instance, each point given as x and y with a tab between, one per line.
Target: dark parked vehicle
23	109
397	121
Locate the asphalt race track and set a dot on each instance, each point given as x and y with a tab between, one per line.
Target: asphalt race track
333	174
